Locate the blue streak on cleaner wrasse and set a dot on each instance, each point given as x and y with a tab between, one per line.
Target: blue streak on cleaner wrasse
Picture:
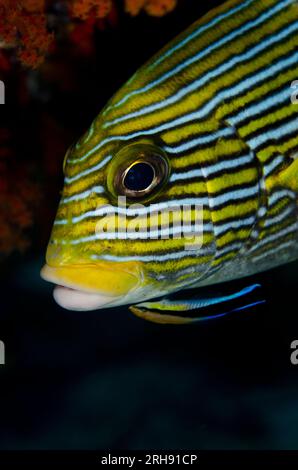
209	121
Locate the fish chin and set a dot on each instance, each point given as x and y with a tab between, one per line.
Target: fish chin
79	300
94	287
73	299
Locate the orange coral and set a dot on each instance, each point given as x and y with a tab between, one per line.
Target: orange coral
83	9
134	6
159	7
152	7
23	23
34	6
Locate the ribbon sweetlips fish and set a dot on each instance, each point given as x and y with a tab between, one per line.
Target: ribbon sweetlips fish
210	122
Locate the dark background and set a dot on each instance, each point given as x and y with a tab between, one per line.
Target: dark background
106	379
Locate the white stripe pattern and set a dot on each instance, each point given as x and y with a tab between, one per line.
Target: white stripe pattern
92	169
274	134
274	237
235	90
214	201
199	83
83	195
200	55
212	169
256	108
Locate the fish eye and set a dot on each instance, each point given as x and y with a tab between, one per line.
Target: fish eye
142	175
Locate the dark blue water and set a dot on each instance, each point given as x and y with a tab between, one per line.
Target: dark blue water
107	379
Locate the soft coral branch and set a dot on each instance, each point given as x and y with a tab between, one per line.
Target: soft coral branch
152	7
23	23
83	9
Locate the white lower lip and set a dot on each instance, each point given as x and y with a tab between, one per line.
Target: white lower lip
72	299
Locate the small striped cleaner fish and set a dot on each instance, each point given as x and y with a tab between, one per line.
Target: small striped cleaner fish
210	126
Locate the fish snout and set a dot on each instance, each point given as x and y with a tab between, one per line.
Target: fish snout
88	287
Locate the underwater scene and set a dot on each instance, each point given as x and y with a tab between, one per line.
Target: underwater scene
148	225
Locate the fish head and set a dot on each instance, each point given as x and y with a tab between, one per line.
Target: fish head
126	228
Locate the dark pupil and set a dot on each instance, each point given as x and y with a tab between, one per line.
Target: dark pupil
139	177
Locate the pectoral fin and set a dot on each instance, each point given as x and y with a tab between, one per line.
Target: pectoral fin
191	310
287	177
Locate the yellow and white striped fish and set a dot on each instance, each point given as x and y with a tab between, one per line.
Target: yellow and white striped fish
211	122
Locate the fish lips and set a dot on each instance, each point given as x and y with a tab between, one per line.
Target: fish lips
84	288
78	300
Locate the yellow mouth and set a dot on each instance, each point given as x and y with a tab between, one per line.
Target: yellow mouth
87	287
